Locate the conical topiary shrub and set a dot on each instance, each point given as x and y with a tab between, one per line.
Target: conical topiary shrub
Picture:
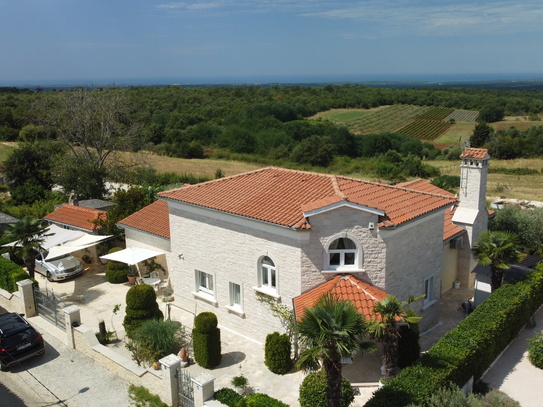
141	306
206	338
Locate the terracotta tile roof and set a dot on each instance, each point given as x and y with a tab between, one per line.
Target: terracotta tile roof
77	216
345	287
450	229
478	153
154	219
282	196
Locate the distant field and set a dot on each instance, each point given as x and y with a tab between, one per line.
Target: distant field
423	123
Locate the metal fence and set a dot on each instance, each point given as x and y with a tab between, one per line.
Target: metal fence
185	390
49	306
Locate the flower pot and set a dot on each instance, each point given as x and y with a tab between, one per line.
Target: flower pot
132	280
156	365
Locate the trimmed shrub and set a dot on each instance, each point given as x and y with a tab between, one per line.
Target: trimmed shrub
535	350
313	391
155	339
277	353
228	397
141	306
116	272
206	339
408	345
260	400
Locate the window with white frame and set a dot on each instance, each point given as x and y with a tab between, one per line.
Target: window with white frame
429	290
236	301
267	274
342	254
204	282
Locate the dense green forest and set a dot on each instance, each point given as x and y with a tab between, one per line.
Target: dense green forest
265	125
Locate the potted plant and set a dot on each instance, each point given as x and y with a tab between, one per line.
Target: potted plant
184	357
132	274
240	383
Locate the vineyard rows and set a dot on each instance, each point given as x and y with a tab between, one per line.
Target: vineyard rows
463	115
436	113
425	129
385	120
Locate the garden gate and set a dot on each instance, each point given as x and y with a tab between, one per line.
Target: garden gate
185	390
49	306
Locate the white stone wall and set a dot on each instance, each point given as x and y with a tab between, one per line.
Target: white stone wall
414	254
229	249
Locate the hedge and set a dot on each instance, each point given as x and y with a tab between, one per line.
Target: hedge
10	273
230	398
313	391
470	348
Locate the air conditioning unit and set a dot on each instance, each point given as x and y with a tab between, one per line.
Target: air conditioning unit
456	243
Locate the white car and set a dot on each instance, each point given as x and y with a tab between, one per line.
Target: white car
58	268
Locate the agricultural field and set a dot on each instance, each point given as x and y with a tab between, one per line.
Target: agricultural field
423	123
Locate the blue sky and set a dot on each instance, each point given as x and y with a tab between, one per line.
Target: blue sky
93	40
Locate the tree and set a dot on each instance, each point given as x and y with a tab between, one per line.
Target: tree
331	330
497	249
481	134
93	125
29	234
385	328
127	202
30	171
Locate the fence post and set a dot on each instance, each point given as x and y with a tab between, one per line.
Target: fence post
26	291
170	364
72	318
204	388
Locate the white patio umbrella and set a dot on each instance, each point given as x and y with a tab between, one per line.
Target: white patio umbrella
132	255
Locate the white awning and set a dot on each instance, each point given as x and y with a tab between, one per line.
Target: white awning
71	246
58	236
132	255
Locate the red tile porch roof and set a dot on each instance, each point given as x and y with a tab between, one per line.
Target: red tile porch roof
344	287
154	219
282	196
76	216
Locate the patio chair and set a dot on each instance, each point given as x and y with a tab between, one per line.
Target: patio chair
153	274
139	280
164	284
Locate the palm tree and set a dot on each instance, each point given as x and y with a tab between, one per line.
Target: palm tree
497	249
331	330
29	234
385	328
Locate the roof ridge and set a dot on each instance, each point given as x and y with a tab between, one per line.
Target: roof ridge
336	187
350	278
81	208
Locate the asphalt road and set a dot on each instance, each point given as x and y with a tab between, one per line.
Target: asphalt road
61	377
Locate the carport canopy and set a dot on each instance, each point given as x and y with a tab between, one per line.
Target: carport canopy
132	255
82	242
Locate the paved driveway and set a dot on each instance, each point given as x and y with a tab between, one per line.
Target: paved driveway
513	373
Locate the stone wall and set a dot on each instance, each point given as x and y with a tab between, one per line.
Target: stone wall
229	250
10	301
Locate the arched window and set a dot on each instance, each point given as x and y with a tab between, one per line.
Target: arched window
342	254
267	277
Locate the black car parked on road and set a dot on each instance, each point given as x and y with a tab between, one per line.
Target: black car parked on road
18	340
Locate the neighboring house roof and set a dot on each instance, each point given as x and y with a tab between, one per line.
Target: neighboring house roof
478	153
97	204
450	229
517	270
76	216
344	287
284	197
154	219
7	219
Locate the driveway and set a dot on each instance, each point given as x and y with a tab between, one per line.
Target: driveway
513	373
63	377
